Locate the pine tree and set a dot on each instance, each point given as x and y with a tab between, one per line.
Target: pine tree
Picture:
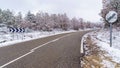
18	19
30	17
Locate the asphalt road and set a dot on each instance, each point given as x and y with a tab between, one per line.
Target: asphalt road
59	51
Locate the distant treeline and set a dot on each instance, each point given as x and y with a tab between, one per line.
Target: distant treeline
44	21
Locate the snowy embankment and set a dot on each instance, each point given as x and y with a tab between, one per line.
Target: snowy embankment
113	51
13	38
101	38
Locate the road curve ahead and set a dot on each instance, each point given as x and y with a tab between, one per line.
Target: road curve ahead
60	51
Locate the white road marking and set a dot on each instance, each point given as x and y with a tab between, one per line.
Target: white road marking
82	43
45	44
31	51
16	59
82	46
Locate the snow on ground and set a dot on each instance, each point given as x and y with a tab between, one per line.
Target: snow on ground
113	51
105	36
102	39
13	38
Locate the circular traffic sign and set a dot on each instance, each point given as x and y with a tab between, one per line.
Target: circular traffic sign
111	16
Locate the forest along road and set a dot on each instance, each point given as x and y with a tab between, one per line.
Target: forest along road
59	51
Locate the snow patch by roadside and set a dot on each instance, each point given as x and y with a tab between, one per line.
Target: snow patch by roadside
10	39
101	38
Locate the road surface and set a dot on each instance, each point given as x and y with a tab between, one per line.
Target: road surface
59	51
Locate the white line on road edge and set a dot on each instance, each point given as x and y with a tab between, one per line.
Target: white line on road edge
16	59
81	49
82	43
32	50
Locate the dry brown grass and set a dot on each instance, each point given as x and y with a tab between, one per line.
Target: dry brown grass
94	56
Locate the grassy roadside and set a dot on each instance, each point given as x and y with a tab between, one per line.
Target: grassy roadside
95	57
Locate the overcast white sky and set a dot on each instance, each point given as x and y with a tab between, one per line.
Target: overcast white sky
86	9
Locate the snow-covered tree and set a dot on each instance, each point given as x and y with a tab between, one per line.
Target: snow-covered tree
75	24
30	17
55	21
81	24
1	16
8	17
18	19
110	5
63	21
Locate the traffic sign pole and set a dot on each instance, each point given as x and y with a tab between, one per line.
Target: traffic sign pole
111	35
111	17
